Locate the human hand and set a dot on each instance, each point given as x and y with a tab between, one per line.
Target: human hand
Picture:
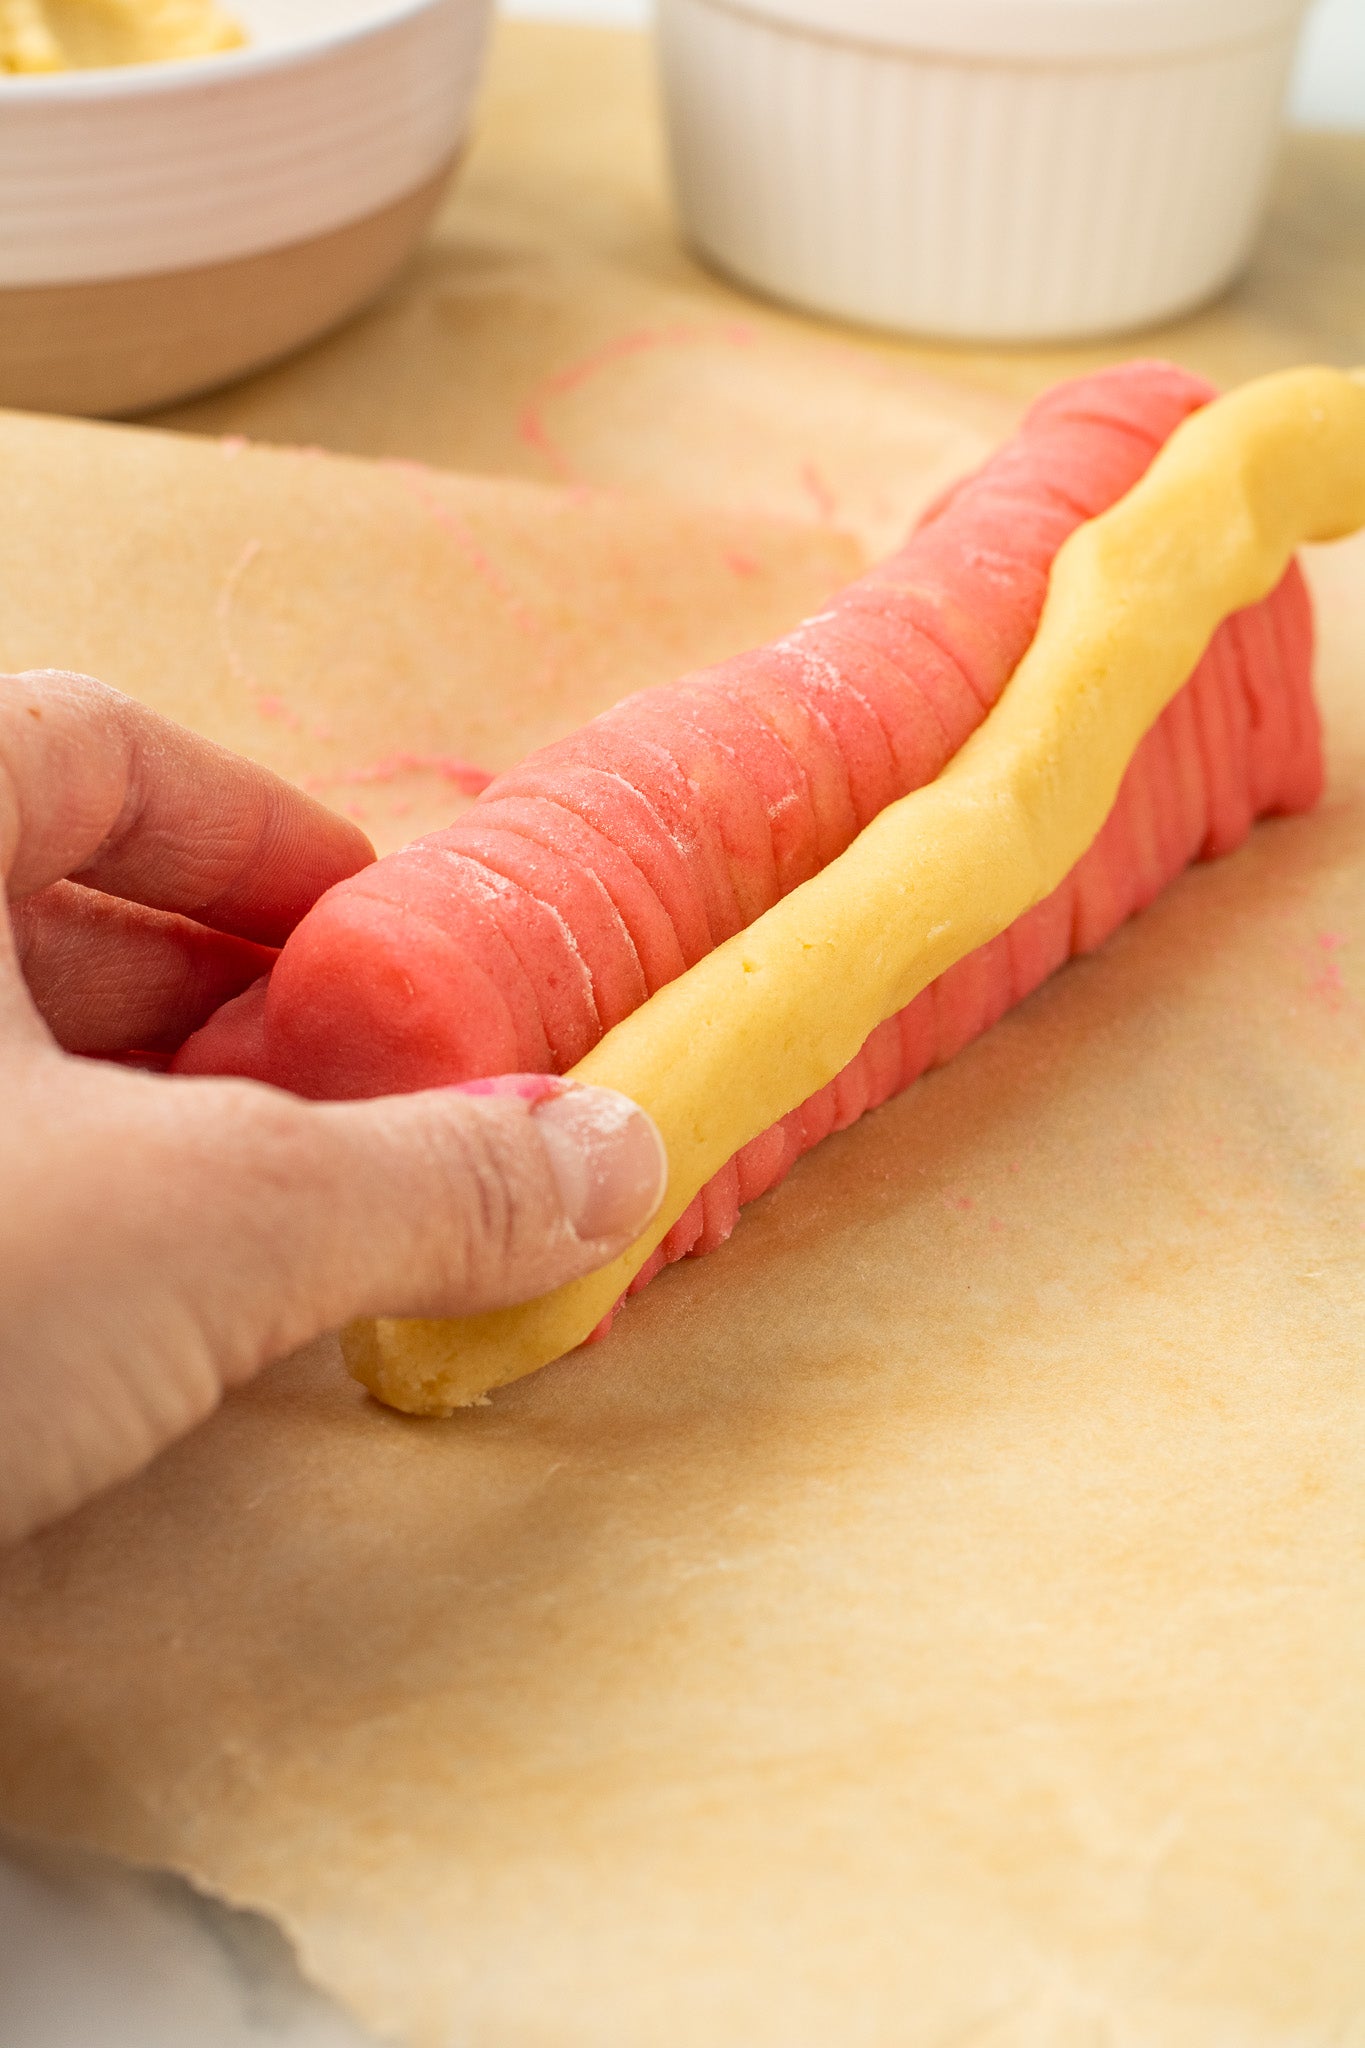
162	1238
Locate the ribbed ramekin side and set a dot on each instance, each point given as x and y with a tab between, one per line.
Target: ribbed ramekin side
986	201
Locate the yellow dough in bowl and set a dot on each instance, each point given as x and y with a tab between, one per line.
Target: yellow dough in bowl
773	1014
81	35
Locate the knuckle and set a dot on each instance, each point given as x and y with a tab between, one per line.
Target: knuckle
501	1232
488	1196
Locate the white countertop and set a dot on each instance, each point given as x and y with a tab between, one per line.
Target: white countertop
95	1956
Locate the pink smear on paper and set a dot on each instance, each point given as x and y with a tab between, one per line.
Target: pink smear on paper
532	427
464	775
419	482
820	491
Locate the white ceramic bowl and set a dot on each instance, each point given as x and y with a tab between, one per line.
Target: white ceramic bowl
986	170
164	227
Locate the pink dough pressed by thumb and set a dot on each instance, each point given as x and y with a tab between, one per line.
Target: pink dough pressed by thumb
232	1041
422	1003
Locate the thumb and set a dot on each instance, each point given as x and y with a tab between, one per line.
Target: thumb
162	1239
450	1201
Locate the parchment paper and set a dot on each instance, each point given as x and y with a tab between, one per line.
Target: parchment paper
371	629
933	1621
934	1618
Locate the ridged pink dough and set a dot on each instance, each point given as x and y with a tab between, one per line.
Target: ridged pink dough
607	863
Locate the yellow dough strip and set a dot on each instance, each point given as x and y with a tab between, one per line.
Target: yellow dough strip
769	1017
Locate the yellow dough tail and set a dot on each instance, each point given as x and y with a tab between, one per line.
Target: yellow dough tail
769	1017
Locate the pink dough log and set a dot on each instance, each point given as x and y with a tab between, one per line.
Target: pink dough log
607	863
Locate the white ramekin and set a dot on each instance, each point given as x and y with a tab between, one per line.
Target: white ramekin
182	192
987	170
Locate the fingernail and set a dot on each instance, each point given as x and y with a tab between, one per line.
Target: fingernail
607	1158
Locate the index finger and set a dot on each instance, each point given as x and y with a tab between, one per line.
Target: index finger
95	788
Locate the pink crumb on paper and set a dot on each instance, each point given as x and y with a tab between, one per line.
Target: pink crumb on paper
271	706
231	445
1327	984
742	565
